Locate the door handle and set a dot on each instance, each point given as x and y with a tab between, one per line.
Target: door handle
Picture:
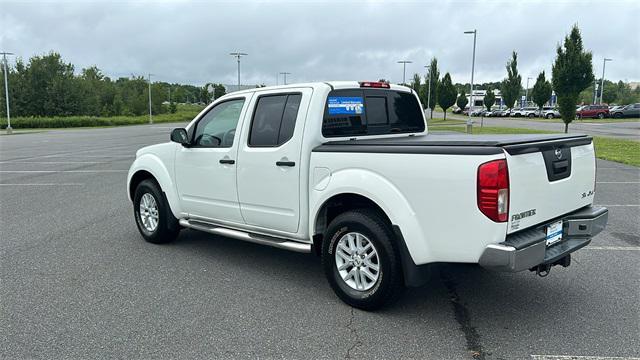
227	161
285	163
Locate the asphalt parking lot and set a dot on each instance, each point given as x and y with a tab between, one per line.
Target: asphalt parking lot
78	281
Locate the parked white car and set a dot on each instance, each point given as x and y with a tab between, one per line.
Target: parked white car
348	171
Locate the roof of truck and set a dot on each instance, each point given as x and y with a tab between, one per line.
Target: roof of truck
332	84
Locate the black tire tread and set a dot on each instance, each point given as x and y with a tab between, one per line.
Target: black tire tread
394	284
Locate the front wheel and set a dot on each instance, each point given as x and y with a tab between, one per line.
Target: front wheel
153	216
549	116
601	116
361	261
532	115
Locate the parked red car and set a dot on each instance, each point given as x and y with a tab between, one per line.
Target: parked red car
593	111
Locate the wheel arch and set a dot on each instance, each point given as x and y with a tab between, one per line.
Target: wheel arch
151	167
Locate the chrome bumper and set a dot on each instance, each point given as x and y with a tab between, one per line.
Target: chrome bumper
526	249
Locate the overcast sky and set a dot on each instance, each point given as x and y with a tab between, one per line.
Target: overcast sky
189	42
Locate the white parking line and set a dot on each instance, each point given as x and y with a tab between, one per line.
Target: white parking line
52	162
46	184
61	171
578	357
617	182
619	205
614	248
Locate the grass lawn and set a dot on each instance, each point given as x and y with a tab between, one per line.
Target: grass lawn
618	150
184	113
578	121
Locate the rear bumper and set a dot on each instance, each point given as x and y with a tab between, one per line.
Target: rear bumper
527	249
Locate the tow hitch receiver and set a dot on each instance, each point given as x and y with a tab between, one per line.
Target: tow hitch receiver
543	270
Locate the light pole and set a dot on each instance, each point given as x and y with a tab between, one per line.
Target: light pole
6	90
285	76
526	93
604	63
473	65
238	55
428	67
404	69
150	117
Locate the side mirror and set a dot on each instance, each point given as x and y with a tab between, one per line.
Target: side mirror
180	136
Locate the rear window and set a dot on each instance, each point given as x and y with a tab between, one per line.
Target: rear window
351	112
274	120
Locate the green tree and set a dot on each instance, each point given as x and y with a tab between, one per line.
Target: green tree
510	87
462	100
218	91
572	73
415	83
446	94
489	99
432	81
205	95
541	92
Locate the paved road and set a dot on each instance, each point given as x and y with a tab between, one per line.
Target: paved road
77	281
606	128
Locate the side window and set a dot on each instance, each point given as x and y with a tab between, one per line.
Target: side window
274	120
217	128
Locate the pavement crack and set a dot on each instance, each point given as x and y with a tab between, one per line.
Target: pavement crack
463	317
354	335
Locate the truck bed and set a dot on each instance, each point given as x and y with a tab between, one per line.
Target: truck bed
457	144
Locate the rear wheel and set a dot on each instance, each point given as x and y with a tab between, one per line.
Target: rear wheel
601	116
361	261
549	116
532	115
153	216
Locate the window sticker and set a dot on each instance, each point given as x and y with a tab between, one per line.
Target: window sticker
341	105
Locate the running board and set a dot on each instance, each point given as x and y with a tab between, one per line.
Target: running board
245	236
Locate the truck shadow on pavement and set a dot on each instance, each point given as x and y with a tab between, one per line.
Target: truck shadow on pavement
459	296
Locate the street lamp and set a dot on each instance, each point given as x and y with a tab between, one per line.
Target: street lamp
404	69
526	93
284	73
429	91
6	90
473	64
604	63
238	55
150	117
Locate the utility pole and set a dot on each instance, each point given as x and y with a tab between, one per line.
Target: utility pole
6	90
404	69
150	117
595	90
473	64
526	93
285	76
604	63
429	87
238	55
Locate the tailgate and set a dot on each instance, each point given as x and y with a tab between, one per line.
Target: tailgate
549	179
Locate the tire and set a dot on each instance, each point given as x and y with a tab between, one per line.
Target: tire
617	115
532	115
600	115
371	228
549	116
166	227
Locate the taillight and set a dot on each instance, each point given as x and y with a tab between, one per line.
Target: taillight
493	190
374	84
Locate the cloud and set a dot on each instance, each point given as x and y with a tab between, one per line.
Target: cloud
189	42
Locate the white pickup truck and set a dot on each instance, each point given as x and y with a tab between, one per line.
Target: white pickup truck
348	171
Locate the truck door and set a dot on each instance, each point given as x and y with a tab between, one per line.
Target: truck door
206	171
269	159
